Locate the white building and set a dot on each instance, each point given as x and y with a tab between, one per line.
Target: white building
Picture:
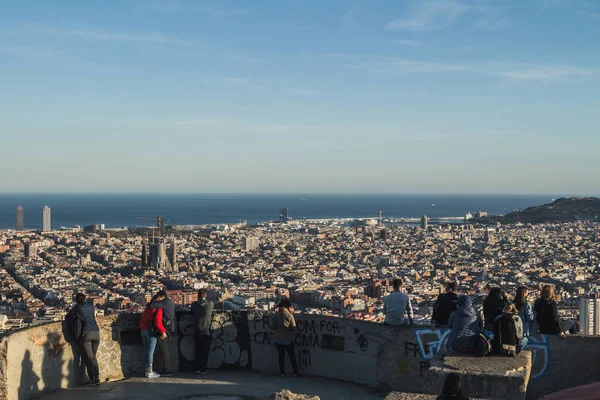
46	220
589	315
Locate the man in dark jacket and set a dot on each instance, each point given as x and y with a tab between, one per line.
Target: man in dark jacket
202	311
445	305
163	364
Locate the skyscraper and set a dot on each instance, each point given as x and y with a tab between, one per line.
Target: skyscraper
20	219
424	222
46	221
284	215
589	314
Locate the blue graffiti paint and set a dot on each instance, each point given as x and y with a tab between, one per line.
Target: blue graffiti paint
428	348
430	341
540	350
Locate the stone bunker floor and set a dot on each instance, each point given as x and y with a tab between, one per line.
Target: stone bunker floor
218	385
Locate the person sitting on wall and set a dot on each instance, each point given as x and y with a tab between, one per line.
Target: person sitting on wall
395	305
493	305
445	305
546	309
508	333
452	388
464	325
525	311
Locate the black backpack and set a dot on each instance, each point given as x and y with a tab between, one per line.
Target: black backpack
508	326
73	325
482	347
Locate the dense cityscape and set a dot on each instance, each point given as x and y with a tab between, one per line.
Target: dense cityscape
330	267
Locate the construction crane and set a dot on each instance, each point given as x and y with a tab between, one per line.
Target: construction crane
160	224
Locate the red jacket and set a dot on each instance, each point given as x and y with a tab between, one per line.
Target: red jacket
150	315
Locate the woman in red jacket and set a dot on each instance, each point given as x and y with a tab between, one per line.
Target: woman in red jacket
152	327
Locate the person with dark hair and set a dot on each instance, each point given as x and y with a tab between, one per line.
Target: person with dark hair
464	325
152	328
91	337
493	305
170	323
452	388
525	311
445	305
202	311
546	310
395	305
284	325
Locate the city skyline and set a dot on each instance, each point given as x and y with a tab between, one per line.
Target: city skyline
434	96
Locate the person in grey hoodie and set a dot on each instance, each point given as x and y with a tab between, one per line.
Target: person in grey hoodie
464	325
91	337
202	311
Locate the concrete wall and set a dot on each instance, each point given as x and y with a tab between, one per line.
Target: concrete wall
39	359
392	359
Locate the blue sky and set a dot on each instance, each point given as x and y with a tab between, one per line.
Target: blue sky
424	96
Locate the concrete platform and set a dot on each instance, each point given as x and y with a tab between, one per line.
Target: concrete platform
221	385
492	377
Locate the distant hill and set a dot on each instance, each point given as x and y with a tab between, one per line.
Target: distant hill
561	210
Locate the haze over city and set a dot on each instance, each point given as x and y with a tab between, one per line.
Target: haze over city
432	96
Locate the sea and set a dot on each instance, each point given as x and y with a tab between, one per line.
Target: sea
125	210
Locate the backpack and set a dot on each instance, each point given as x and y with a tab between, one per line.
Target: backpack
504	349
483	346
73	325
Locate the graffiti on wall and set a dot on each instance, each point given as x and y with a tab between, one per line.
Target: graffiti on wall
230	347
540	350
310	335
430	341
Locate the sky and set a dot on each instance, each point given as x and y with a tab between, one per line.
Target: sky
295	96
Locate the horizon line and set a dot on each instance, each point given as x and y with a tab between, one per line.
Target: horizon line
555	195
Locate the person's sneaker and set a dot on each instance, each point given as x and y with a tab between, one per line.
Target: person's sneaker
166	374
152	375
283	375
97	382
91	383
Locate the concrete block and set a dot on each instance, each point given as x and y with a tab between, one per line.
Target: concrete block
486	377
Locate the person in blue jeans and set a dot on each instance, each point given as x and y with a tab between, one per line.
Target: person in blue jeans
152	328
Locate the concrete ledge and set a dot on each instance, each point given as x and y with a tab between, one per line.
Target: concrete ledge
415	396
485	377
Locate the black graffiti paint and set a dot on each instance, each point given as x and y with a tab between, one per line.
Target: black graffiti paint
307	340
411	348
363	343
424	367
304	358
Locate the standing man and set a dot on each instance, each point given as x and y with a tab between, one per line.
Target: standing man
163	358
445	305
202	311
395	305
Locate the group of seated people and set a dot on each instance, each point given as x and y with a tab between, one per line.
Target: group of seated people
506	324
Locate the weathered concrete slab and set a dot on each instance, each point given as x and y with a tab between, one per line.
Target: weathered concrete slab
485	377
246	385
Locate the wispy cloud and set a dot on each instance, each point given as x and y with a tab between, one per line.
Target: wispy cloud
477	134
27	51
514	71
430	15
544	72
112	36
201	7
301	91
411	43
